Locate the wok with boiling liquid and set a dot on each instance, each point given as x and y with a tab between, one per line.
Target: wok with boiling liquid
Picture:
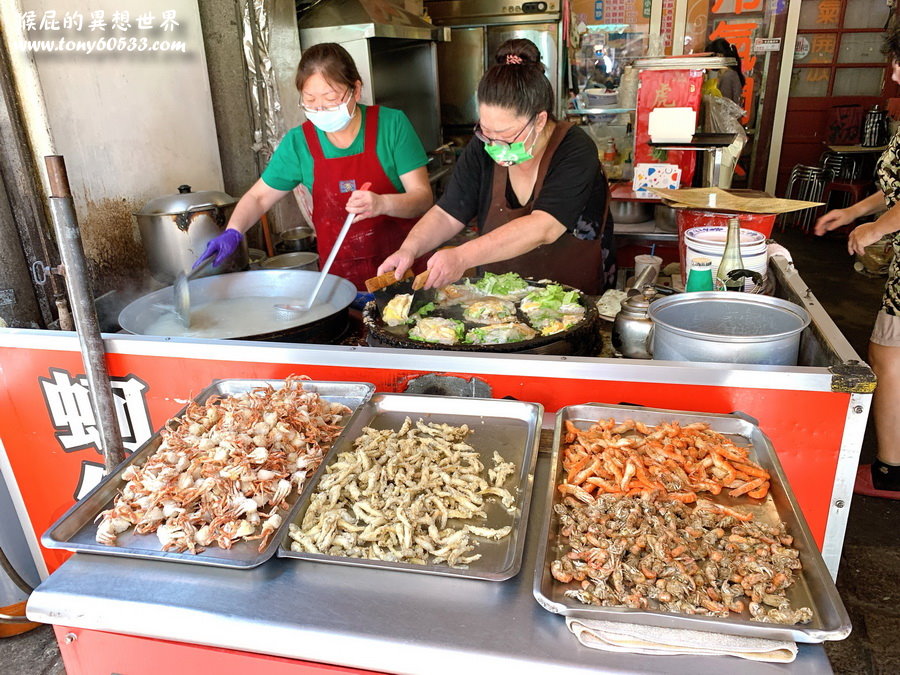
242	306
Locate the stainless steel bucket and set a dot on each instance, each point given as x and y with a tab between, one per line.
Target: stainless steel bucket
726	327
176	228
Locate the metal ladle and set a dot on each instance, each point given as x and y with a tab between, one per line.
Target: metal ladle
182	300
289	311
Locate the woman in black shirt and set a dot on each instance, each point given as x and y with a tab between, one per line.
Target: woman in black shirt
534	186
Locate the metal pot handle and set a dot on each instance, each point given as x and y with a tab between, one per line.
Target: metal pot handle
648	341
183	219
201	207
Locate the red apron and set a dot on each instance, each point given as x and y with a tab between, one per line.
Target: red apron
369	241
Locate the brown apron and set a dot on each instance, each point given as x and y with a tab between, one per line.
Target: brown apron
568	260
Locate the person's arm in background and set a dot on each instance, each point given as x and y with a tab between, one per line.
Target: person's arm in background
434	228
283	173
513	239
255	202
447	218
412	203
398	139
867	233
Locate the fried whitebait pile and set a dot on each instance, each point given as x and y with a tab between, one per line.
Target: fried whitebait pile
224	470
662	555
393	496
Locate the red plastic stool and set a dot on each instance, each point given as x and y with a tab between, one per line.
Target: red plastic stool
851	192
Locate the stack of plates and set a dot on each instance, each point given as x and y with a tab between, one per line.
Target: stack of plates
709	242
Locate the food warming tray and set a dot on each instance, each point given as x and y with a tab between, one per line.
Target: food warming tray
510	427
813	587
76	529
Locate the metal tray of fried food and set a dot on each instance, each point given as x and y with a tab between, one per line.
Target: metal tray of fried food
75	530
511	428
813	588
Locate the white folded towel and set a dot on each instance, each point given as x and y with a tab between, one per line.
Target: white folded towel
613	636
777	249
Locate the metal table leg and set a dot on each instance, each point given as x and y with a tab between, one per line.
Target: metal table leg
717	166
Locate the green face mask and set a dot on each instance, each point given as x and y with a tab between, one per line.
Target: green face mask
507	154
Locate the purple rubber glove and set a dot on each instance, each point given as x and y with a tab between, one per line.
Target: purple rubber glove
222	247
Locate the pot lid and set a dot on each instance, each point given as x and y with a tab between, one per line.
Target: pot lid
184	201
639	303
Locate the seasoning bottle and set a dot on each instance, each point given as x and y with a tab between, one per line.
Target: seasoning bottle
731	258
700	275
611	154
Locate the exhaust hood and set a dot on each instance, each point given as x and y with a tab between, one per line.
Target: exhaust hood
345	20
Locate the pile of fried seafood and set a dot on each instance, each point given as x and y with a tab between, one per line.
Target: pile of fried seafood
634	533
225	470
404	496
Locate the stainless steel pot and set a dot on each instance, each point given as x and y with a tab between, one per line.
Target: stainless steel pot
725	327
624	213
176	228
296	239
665	218
292	261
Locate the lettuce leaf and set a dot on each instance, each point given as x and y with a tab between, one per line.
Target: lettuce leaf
499	284
425	310
551	297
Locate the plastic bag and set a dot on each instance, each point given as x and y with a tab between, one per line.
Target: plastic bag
723	116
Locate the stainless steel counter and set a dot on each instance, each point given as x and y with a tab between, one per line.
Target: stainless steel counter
381	620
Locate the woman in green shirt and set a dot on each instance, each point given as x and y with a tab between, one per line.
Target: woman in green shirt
340	147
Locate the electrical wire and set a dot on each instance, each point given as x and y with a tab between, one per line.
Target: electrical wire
18	581
11	571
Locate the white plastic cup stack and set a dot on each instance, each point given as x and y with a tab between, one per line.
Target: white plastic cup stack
646	260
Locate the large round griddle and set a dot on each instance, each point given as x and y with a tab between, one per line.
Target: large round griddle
139	316
582	339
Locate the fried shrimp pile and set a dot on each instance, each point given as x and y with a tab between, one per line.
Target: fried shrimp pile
678	461
393	496
662	555
224	470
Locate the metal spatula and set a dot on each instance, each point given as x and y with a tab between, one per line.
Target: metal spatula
182	300
385	293
299	307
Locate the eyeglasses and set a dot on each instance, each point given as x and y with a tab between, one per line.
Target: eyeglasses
326	108
496	141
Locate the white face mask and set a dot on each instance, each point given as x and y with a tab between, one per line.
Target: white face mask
330	121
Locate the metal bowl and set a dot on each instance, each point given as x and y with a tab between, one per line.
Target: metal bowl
292	261
256	255
625	213
296	239
665	218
